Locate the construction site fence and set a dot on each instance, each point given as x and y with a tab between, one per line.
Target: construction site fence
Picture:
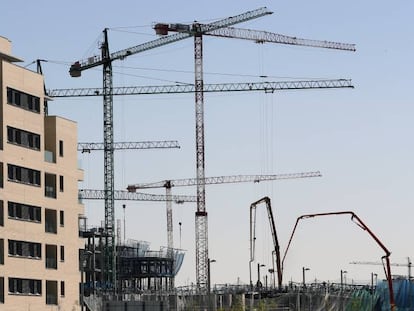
293	297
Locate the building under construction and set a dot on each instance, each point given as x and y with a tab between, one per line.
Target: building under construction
139	270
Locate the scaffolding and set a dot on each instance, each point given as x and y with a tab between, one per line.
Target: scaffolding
140	270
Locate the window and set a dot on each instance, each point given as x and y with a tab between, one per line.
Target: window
1	174
61	218
1	251
50	185
50	221
13	97
61	183
25	286
51	256
1	214
23	175
51	293
25	249
24	212
61	148
1	289
62	288
23	100
62	253
23	138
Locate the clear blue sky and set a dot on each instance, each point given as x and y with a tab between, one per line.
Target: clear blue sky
359	139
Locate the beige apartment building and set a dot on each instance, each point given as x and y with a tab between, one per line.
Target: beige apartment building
39	208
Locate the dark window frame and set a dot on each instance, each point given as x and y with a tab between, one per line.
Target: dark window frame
1	290
61	183
62	253
23	138
62	288
1	251
24	249
23	100
61	148
24	175
25	287
51	256
50	221
62	218
1	175
24	212
1	213
51	292
50	185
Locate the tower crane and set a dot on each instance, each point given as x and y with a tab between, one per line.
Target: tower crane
168	184
105	59
408	264
268	87
197	31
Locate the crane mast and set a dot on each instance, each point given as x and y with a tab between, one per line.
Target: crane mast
110	258
201	213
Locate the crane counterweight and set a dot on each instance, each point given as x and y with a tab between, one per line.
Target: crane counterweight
75	71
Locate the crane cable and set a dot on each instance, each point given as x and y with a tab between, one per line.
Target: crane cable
122	128
266	150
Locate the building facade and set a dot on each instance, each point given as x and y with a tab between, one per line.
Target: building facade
39	208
